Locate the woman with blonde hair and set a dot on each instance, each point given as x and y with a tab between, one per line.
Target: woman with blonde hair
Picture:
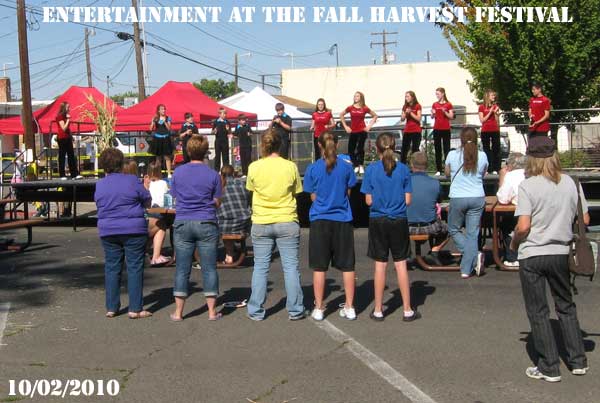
358	129
442	112
275	182
411	136
546	211
466	168
489	116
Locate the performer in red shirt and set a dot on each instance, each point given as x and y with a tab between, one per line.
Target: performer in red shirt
411	138
65	143
442	111
489	116
358	129
322	120
539	112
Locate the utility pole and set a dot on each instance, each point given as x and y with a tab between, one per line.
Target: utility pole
428	57
235	71
88	63
138	56
27	112
384	43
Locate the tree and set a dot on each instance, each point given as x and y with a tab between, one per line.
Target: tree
217	89
120	98
508	57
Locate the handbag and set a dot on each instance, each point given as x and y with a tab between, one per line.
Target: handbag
583	254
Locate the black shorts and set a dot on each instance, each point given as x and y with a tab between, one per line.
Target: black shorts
387	234
331	242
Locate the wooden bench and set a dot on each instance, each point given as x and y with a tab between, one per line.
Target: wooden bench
29	224
241	238
420	240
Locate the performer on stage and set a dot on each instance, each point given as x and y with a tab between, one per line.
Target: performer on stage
322	120
539	112
358	129
221	131
188	129
442	111
161	145
65	143
282	124
411	138
243	131
489	116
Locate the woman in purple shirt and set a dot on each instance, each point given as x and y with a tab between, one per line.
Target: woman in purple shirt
197	191
120	200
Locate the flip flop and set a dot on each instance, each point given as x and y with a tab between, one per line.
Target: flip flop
235	304
139	315
175	318
217	317
110	314
161	261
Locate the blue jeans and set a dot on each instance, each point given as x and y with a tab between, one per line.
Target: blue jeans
466	211
188	236
117	250
287	238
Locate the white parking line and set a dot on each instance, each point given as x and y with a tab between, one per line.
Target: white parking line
4	308
380	367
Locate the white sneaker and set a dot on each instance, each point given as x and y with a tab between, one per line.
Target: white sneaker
511	264
580	371
356	169
479	268
438	173
348	313
361	170
535	373
64	178
196	266
317	314
495	173
78	177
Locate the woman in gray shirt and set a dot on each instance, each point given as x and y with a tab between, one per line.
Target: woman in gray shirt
546	211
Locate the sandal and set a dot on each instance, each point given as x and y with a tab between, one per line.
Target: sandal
216	317
161	261
140	315
110	314
175	318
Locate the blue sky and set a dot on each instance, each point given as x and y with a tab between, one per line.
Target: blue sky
267	43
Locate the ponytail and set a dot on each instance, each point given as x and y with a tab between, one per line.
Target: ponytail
468	139
328	143
227	171
385	146
270	143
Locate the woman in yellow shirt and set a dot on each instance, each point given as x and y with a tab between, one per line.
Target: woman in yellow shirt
274	182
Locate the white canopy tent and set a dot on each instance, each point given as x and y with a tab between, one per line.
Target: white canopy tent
263	104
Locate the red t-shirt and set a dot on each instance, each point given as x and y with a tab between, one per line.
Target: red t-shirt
412	125
490	125
441	121
357	118
538	106
321	120
60	133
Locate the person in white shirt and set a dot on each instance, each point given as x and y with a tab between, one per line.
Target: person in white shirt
157	225
511	176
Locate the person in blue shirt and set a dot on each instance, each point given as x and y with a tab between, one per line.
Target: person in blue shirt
161	145
331	238
466	167
221	131
188	129
423	217
387	188
282	124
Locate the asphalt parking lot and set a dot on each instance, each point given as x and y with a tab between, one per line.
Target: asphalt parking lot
472	344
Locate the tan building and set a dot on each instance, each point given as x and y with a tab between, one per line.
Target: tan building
383	85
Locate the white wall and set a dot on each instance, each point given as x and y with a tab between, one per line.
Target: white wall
383	85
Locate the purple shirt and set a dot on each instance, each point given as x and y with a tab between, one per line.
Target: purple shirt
120	200
195	186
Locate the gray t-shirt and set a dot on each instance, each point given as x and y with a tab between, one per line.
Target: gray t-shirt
552	208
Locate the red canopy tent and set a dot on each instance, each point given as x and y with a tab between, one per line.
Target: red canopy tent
179	98
45	118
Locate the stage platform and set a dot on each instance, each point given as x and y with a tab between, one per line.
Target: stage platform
82	190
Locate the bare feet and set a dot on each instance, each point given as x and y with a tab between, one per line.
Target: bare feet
139	315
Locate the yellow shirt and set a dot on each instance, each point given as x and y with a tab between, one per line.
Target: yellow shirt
274	181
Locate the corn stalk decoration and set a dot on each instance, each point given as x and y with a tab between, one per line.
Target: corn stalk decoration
105	118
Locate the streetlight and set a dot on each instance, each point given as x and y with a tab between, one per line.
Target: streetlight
4	67
292	56
337	58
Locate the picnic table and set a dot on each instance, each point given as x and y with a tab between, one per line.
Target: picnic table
241	238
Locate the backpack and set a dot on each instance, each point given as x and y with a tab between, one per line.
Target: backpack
583	254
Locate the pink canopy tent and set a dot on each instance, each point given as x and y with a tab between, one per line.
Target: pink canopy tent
45	118
178	98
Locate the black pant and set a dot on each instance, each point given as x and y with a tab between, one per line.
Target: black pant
245	158
284	150
441	139
356	148
410	141
493	153
65	148
507	225
317	149
221	151
534	273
